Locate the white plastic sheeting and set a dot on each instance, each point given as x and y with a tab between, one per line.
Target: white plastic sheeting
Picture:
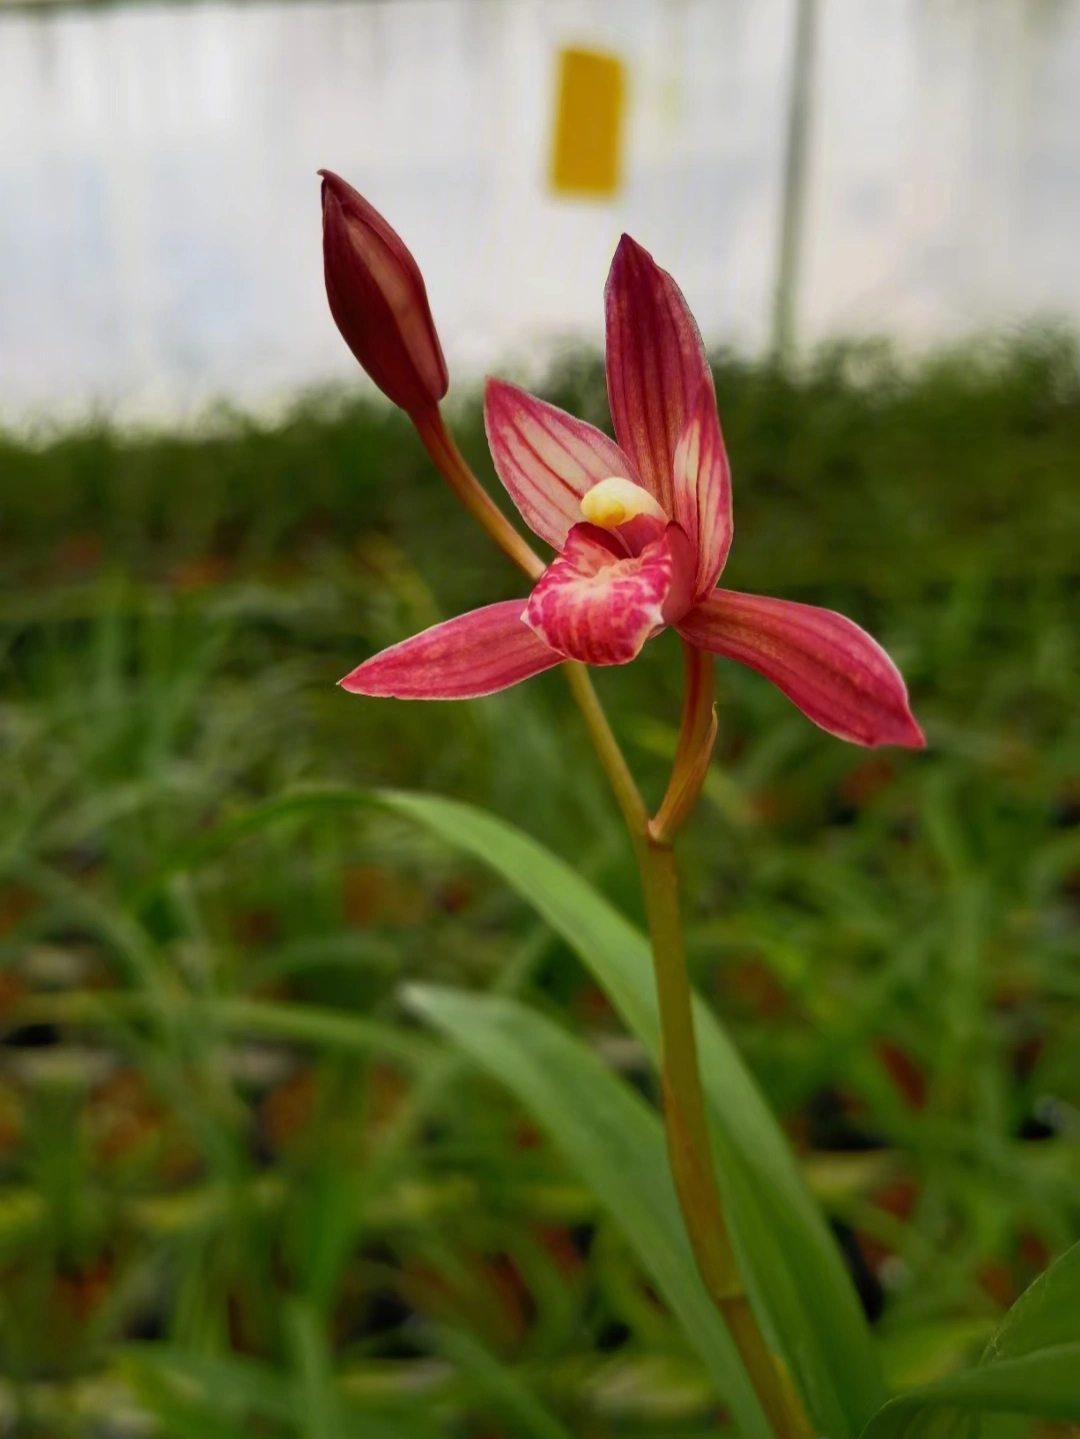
159	218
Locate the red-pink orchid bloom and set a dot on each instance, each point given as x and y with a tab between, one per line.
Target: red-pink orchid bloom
642	529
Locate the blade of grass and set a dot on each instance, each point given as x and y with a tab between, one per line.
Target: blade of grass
1031	1365
797	1278
307	1024
317	1405
501	1385
616	1143
1043	1385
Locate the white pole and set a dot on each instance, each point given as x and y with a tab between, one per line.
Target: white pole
793	200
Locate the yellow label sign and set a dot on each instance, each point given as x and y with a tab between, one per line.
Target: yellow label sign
586	157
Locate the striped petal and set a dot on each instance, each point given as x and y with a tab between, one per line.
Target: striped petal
702	480
656	365
474	654
837	675
546	459
599	605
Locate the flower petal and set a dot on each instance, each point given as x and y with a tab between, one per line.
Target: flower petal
599	605
702	479
473	654
546	458
837	675
656	364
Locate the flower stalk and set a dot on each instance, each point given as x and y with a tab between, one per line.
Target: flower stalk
689	1149
608	751
451	464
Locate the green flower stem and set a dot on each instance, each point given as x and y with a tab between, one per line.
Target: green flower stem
689	1148
688	1142
685	1122
607	748
454	468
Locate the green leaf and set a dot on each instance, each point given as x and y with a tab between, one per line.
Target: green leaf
795	1274
326	1028
224	1396
269	1019
1045	1384
198	1398
318	1406
616	1142
1031	1366
228	1386
1046	1315
500	1384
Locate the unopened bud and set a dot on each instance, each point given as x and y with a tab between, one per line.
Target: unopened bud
378	300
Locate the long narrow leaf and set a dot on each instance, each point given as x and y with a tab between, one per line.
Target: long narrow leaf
500	1384
1031	1366
268	1019
796	1276
1045	1385
615	1141
1046	1315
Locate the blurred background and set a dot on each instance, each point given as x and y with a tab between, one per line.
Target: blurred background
157	178
242	1190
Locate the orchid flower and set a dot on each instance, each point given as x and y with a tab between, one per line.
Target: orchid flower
641	530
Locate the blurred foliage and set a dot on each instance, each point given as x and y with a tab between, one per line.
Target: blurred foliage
241	1190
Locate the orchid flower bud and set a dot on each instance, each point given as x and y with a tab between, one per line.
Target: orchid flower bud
378	300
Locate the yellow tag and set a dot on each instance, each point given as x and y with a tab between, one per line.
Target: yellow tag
586	156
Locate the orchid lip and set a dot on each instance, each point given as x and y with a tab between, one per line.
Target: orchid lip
598	605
